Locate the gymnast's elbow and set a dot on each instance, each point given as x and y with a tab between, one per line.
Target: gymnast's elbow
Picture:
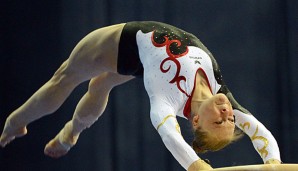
169	137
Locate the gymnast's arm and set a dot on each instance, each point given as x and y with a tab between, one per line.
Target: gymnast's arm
164	120
262	139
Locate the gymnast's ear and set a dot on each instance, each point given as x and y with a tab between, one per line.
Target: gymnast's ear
195	121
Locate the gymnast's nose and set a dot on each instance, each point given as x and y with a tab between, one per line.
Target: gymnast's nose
225	111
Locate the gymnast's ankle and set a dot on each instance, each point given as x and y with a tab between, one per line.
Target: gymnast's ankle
69	136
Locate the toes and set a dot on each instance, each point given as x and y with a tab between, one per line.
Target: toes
4	140
50	153
9	135
54	153
3	144
54	149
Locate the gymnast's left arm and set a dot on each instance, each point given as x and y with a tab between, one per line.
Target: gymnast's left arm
262	139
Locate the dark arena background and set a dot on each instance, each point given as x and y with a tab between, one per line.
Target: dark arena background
255	43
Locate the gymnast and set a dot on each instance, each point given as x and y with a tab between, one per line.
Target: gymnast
180	75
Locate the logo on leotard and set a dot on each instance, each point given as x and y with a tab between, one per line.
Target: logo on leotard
197	62
196	58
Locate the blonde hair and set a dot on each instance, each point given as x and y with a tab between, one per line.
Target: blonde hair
204	142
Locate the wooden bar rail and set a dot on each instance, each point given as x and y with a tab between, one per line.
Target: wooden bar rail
261	167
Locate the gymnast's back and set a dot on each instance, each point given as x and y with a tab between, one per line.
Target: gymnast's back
129	62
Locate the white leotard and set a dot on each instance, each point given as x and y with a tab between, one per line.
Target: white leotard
170	83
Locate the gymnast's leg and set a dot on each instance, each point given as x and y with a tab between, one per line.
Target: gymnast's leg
88	110
94	54
46	100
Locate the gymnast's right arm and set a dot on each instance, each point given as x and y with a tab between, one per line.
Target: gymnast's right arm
164	120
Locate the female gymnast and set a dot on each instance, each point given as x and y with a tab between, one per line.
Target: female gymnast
180	75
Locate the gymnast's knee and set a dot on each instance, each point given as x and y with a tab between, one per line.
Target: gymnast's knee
65	76
101	84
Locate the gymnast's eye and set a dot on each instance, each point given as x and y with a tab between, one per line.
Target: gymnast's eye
232	120
219	122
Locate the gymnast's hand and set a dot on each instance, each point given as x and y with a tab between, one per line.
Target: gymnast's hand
199	165
273	161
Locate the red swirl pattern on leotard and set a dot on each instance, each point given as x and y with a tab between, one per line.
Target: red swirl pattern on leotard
172	57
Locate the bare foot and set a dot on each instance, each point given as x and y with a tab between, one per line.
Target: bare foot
61	144
56	149
10	133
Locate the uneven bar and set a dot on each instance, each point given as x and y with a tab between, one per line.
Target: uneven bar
261	167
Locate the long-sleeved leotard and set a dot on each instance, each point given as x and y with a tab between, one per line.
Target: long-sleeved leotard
168	58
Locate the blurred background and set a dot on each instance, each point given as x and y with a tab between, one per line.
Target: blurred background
255	42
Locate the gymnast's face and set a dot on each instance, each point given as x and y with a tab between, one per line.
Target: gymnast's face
215	116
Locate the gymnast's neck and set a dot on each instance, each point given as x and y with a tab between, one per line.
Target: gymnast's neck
201	92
